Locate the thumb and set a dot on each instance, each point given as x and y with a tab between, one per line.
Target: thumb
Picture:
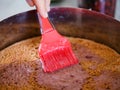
41	7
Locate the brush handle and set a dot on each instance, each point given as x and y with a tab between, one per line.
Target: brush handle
45	24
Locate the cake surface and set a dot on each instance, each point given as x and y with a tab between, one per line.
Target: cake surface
98	68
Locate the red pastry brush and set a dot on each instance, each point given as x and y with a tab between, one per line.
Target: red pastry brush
55	50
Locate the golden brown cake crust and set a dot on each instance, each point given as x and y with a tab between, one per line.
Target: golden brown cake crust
98	68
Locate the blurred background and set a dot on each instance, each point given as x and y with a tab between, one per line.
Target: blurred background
109	7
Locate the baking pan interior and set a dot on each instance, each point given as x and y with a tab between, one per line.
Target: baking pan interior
73	22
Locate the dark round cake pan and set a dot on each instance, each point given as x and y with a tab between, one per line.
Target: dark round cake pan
73	22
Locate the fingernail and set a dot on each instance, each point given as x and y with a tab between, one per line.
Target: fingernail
48	9
45	15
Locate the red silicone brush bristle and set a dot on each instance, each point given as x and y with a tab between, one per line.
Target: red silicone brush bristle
58	58
55	52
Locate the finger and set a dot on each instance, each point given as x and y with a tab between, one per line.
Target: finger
30	2
47	2
40	5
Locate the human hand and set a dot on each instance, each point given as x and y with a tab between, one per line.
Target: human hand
42	6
